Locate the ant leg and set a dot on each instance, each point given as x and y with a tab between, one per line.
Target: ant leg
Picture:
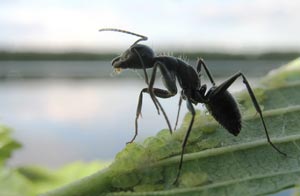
158	92
138	113
225	85
192	110
163	94
169	82
201	63
146	78
179	106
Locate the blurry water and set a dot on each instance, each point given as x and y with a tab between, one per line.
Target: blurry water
60	120
63	120
102	69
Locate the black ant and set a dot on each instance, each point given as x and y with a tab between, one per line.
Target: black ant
218	101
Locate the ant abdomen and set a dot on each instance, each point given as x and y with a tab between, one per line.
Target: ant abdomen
224	109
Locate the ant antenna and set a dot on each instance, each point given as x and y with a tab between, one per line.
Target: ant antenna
142	37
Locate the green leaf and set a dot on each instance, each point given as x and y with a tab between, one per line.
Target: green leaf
215	162
14	184
7	144
32	180
43	179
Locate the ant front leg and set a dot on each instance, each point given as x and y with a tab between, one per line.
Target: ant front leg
170	83
146	78
225	85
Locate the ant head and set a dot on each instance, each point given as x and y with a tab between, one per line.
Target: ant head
136	57
133	56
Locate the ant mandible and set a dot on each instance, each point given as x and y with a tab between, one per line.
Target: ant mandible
218	101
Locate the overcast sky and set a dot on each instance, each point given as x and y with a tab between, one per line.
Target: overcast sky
59	25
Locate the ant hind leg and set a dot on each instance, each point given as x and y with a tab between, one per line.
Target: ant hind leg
225	85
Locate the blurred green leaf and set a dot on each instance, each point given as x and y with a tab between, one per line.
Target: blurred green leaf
33	180
11	183
43	179
215	163
7	144
14	184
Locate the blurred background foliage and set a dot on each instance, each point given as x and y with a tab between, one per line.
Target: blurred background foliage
33	180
